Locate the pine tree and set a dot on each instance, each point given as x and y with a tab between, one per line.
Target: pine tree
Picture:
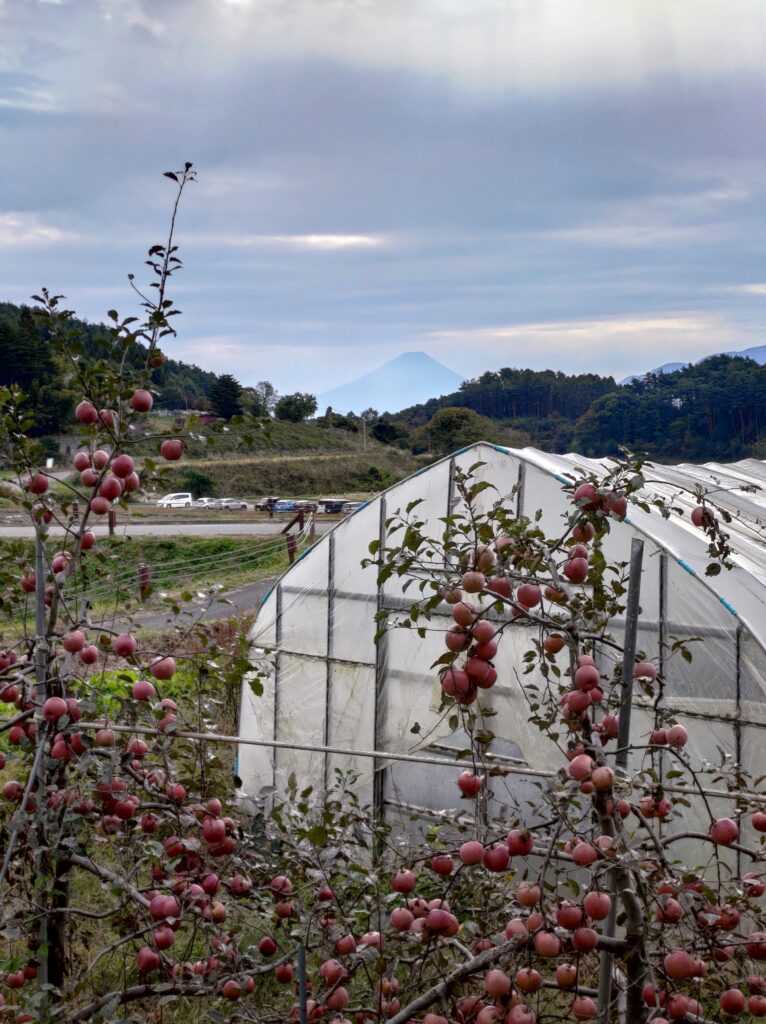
226	397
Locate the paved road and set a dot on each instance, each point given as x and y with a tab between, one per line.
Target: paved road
139	529
233	603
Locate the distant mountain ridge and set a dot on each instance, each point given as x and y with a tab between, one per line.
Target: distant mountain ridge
410	379
757	353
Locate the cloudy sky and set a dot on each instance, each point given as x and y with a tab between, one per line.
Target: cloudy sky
576	184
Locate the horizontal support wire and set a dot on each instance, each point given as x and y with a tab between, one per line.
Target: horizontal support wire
212	737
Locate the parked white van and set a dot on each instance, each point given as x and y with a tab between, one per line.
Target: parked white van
182	500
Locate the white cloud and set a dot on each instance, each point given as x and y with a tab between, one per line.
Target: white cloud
498	43
307	243
750	289
612	345
20	98
26	229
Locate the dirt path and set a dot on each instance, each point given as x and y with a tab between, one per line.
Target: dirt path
232	604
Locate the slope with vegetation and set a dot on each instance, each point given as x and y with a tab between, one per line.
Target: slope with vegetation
715	409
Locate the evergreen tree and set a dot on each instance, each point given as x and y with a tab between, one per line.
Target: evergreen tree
226	397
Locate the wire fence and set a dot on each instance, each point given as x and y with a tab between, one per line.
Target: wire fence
119	584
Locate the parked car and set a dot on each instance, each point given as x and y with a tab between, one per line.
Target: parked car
265	503
305	506
284	505
331	505
233	503
181	500
351	506
207	503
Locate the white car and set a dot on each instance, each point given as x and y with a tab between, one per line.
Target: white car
182	500
232	503
206	503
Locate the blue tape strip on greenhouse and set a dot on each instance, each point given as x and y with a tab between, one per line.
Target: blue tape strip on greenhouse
685	565
267	595
499	448
363	505
563	480
727	606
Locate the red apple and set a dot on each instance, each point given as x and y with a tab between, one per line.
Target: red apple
54	708
231	989
122	466
547	944
497	983
471	852
164	668
143	690
86	412
470	784
147	959
587	497
172	450
553	643
576	570
141	400
724	832
520	842
403	881
583	1008
110	488
473	582
124	645
677	736
566	975
442	864
597	905
732	1001
37	483
496	858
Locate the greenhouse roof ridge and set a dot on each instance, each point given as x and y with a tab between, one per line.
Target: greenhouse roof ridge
740	488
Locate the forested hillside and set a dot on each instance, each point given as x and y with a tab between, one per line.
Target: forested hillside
25	359
715	409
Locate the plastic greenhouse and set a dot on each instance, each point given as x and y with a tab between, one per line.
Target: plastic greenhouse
330	691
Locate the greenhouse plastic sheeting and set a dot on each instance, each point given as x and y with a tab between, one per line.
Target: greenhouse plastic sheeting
326	683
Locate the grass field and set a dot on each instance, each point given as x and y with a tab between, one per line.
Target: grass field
305	475
110	578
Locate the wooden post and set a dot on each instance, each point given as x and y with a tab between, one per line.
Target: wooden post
144	580
292	547
112	520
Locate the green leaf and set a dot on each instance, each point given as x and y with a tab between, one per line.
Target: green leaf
318	835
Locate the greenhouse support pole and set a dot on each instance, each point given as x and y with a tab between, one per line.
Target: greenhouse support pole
302	986
328	663
621	760
378	769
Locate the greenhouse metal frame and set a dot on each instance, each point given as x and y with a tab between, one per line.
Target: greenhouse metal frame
329	687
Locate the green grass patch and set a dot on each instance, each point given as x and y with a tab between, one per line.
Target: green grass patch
109	576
